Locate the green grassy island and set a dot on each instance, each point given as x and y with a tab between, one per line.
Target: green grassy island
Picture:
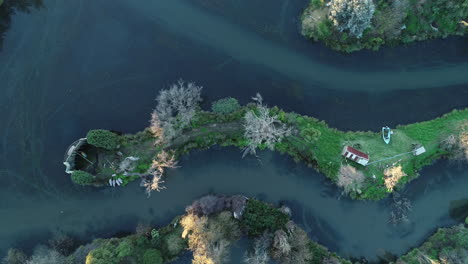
351	25
107	156
213	223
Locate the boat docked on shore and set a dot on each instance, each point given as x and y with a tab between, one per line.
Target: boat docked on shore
386	134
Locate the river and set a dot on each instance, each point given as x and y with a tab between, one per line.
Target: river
71	66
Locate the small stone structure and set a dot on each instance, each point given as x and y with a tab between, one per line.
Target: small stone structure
70	155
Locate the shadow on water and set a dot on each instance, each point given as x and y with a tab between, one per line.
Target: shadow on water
9	8
459	210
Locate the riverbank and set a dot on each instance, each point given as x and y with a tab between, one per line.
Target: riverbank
212	224
381	22
311	141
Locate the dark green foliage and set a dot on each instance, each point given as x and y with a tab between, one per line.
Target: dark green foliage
82	178
152	256
444	241
259	217
172	242
103	139
324	30
225	106
394	22
143	167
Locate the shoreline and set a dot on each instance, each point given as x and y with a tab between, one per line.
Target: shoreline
232	218
386	23
312	142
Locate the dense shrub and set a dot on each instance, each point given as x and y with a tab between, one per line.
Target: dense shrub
82	177
207	205
103	139
173	243
259	217
225	106
152	256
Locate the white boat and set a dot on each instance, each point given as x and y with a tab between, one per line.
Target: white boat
386	134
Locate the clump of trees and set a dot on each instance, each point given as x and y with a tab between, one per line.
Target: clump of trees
353	16
263	128
154	181
102	138
210	238
259	217
82	178
175	109
225	106
457	145
350	179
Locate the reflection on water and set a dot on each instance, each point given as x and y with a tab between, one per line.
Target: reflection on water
77	65
459	209
9	8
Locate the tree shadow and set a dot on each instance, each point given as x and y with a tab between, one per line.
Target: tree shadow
10	7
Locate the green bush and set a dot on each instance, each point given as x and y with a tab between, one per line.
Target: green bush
82	177
124	249
325	29
225	106
316	3
466	220
259	217
103	139
152	256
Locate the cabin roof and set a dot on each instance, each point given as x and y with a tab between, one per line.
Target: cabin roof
357	153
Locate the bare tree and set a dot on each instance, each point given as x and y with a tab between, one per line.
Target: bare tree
393	175
454	256
15	256
400	209
154	181
350	179
175	108
44	255
156	128
259	255
353	16
291	247
262	128
281	244
331	260
210	238
457	145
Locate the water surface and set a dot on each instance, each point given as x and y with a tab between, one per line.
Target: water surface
76	65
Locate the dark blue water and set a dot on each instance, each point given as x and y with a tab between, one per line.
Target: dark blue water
75	65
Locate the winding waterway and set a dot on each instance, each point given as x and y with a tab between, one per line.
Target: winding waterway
75	65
